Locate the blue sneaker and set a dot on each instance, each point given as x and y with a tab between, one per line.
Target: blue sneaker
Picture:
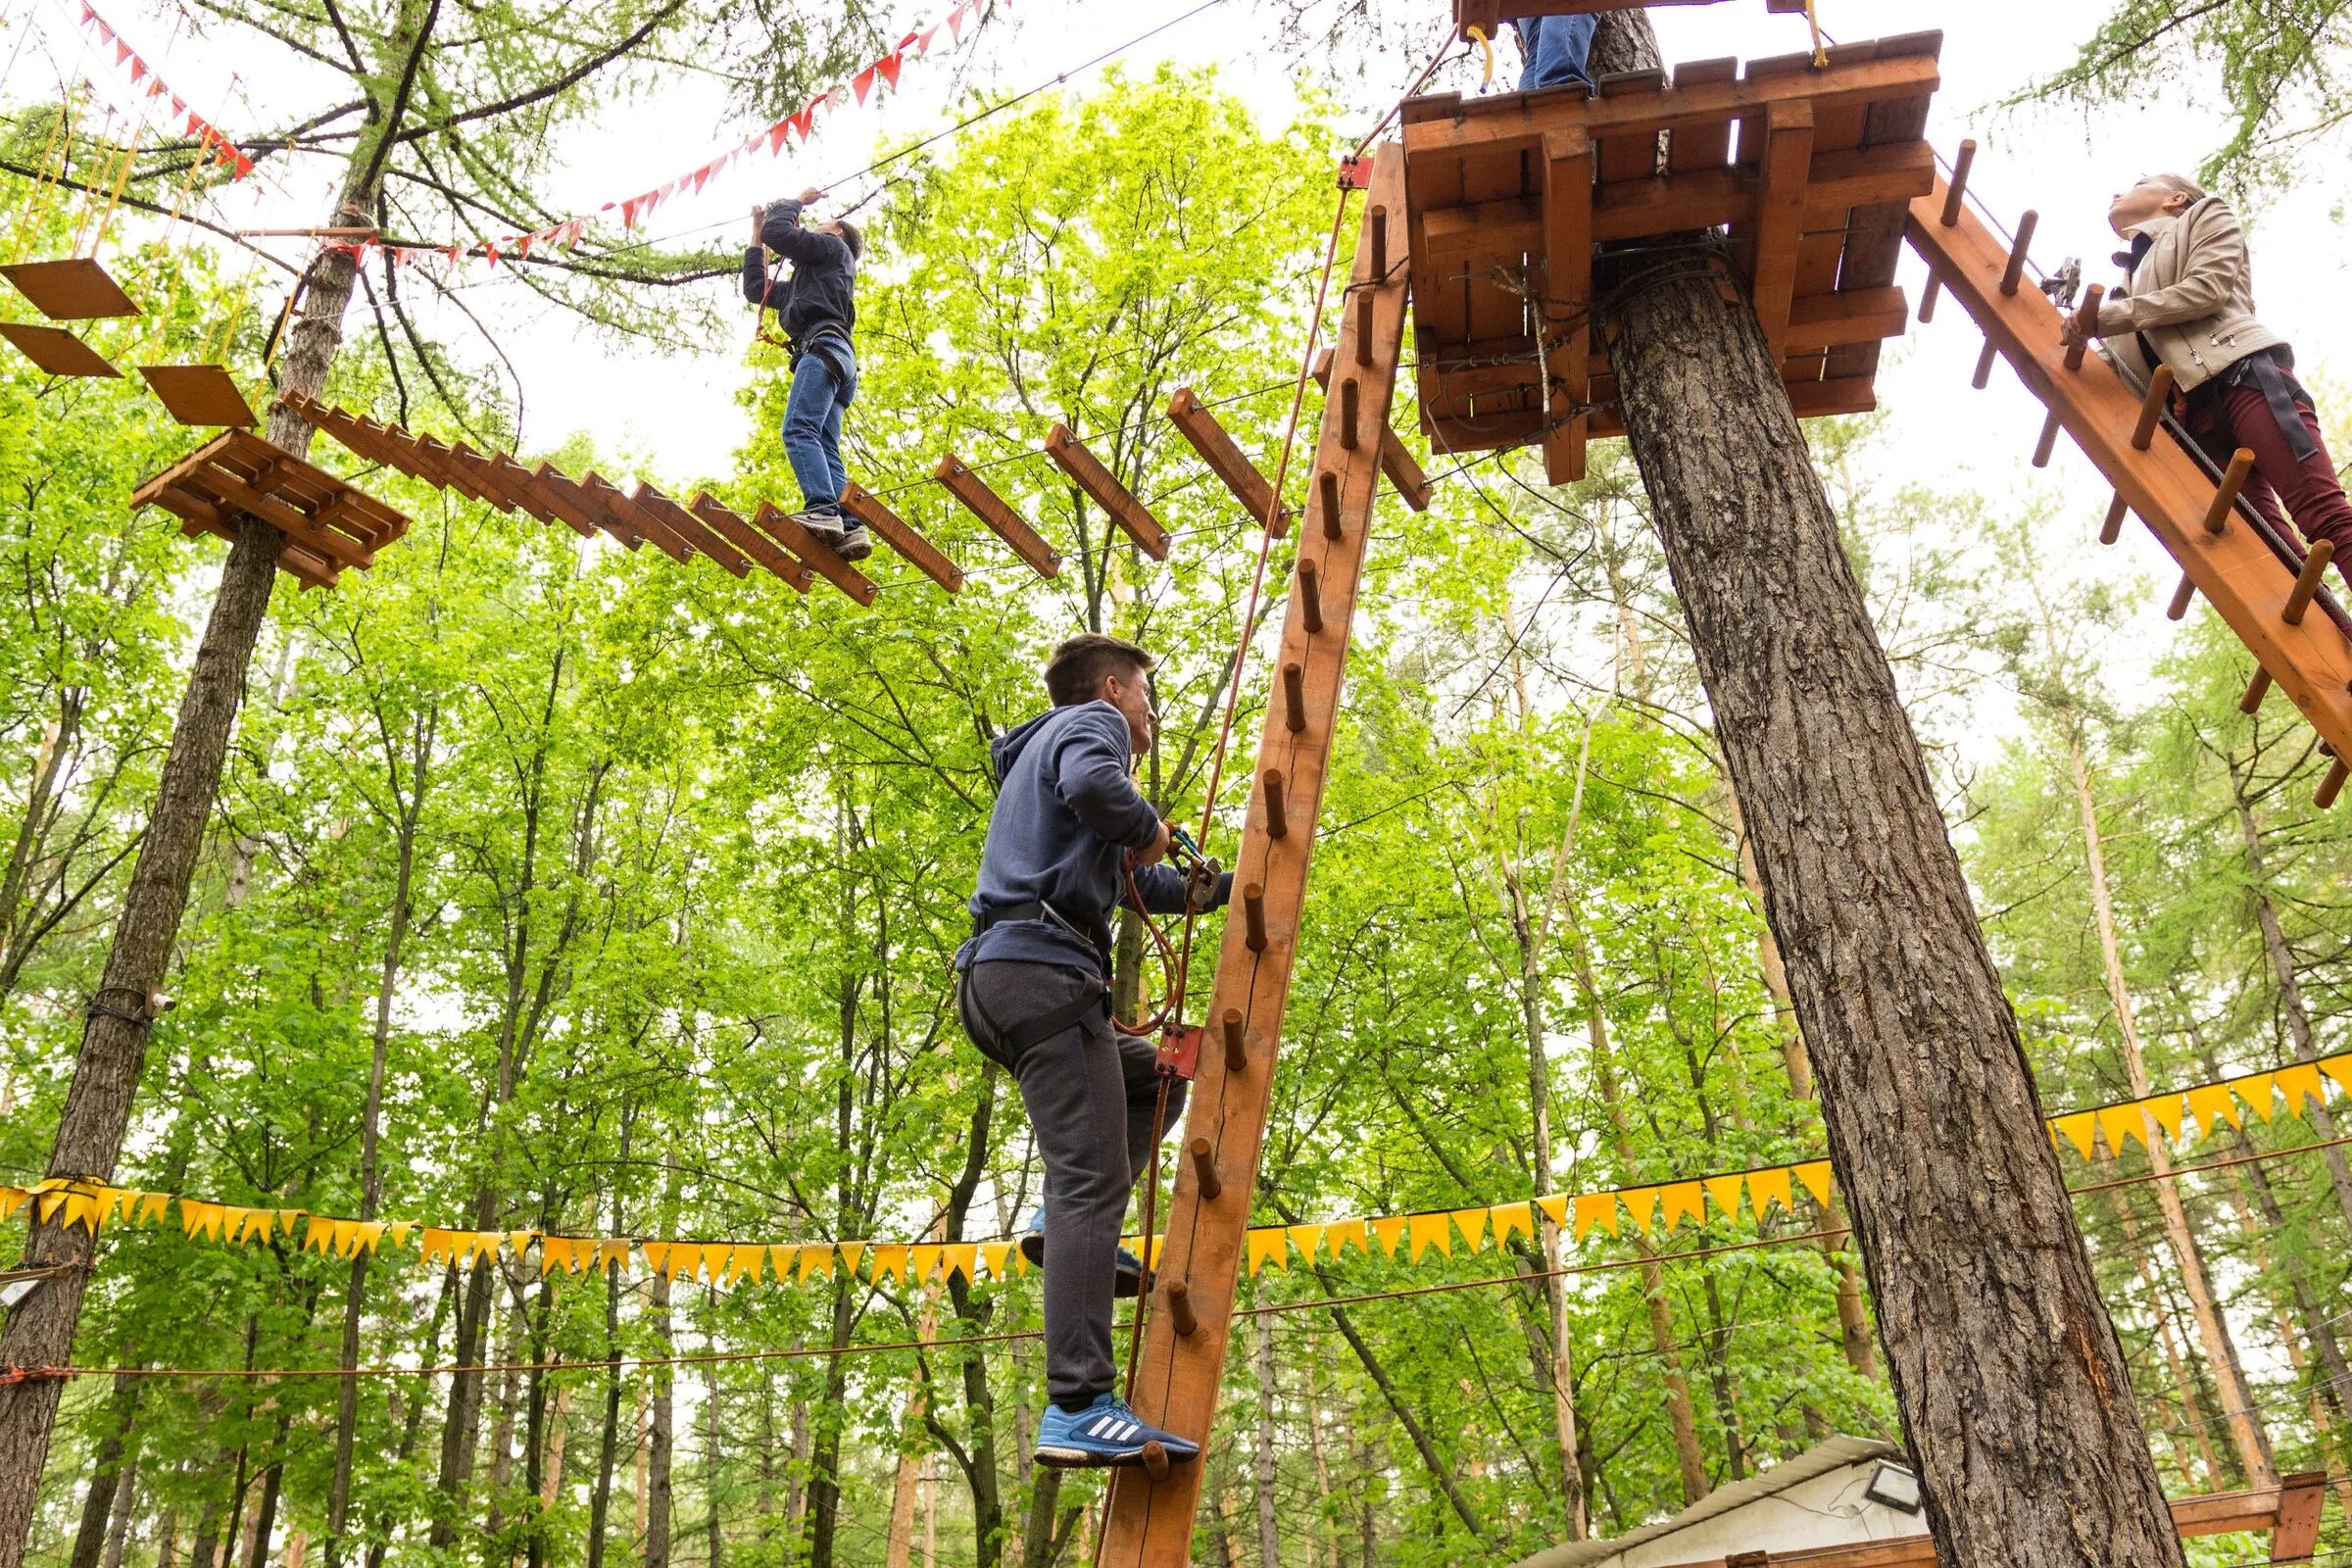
1129	1280
1104	1432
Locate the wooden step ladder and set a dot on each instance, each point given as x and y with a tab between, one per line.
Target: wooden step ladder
2263	589
1192	1311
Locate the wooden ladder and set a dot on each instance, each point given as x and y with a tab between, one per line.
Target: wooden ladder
2256	586
1184	1351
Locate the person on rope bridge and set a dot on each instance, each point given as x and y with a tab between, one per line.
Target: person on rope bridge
1068	829
1557	49
2187	301
816	304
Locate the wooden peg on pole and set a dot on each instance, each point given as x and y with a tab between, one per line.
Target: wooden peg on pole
2016	271
1253	911
2256	690
1956	193
1278	824
2307	581
1294	697
1180	1308
1983	377
1327	490
2332	785
1310	596
2183	596
2113	528
1237	1043
2224	497
1204	1169
2151	406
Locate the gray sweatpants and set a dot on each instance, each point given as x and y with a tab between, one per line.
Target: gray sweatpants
1090	1092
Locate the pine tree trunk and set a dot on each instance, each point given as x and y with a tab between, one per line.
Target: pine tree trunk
2015	1396
901	1539
711	1413
97	1503
2185	1379
659	1437
118	1529
1269	1530
608	1447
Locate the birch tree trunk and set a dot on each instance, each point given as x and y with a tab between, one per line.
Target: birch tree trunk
2015	1396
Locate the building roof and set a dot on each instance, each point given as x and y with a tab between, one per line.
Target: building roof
1835	1455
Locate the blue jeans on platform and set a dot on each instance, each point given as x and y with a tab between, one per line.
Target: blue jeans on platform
1557	48
822	385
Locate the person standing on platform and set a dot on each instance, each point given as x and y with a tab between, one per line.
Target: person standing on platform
816	304
1556	50
1034	995
2187	301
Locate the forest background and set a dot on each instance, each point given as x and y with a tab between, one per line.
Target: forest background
643	881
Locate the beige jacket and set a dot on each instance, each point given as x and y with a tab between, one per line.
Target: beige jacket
2193	297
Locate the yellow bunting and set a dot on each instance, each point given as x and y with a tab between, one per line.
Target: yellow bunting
1308	1239
400	1230
250	1224
2301	1082
519	1242
1815	1174
12	1198
746	1262
613	1252
816	1259
2212	1106
554	1252
1509	1220
890	1262
657	1253
782	1259
1390	1231
1680	1198
1472	1223
2168	1109
2339	1069
1342	1234
1641	1206
1430	1231
112	1200
1771	1186
2080	1129
2122	1123
151	1207
321	1236
286	1218
84	1210
202	1220
1266	1245
1596	1209
997	1256
368	1234
1725	1190
851	1253
2255	1092
686	1258
964	1259
922	1262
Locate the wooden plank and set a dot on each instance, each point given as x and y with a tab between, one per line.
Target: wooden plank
1875	242
78	288
1859	315
566	499
893	530
815	552
1567	298
1224	458
56	351
619	515
2234	569
199	394
497	476
228	490
1147	1524
1708	146
690	529
1002	521
759	546
1779	216
1118	502
2296	1534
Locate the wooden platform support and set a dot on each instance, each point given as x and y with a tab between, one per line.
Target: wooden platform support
328	524
1090	474
1224	457
2252	588
989	508
1151	1522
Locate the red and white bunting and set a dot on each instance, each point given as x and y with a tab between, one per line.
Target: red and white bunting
208	140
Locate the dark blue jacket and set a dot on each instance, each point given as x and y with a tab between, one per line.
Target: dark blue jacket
819	295
1066	813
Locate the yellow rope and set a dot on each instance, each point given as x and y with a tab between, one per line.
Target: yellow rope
1821	56
1477	35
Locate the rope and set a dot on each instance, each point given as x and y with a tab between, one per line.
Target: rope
1478	34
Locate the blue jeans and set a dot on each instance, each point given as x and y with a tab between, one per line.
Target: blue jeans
1555	48
821	391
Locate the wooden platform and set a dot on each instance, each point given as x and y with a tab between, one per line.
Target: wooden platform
328	524
1801	175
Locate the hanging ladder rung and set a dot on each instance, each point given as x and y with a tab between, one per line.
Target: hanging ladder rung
2307	581
2256	690
2233	480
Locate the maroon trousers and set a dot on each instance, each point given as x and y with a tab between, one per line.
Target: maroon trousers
2312	493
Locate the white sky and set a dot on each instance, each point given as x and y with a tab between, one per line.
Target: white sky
676	406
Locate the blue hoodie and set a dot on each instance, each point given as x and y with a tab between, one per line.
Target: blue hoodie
1066	813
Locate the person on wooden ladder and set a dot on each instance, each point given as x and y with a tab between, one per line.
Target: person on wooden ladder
2187	301
1034	995
816	304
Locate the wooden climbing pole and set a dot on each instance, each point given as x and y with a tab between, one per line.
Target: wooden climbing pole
1150	1523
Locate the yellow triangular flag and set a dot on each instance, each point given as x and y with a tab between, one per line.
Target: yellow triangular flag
1554	1207
1306	1238
151	1207
2120	1123
2299	1082
922	1262
816	1259
890	1262
997	1256
851	1253
286	1218
1430	1231
12	1198
2255	1092
82	1209
1683	1198
782	1260
1725	1190
554	1252
685	1259
963	1259
2080	1129
114	1201
249	1224
519	1242
657	1253
400	1229
1815	1174
1771	1186
1266	1245
746	1263
198	1219
1596	1209
612	1252
2212	1105
1641	1205
1342	1234
2168	1109
368	1234
1390	1231
320	1236
1472	1223
2339	1069
1509	1220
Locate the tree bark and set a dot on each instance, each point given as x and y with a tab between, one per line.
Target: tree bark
608	1449
2184	1379
2015	1398
1269	1529
660	1436
106	1466
118	1529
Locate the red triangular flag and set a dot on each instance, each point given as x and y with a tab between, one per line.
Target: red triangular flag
862	83
955	23
889	66
800	124
628	211
924	47
138	70
122	51
775	136
88	15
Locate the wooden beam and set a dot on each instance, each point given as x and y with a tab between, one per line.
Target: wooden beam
894	533
691	529
1149	1524
741	542
2245	582
1225	459
1780	217
1853	316
1567	299
1002	521
625	517
564	498
1118	502
815	552
2296	1535
757	545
